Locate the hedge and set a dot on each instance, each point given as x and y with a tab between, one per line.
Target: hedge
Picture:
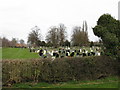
59	70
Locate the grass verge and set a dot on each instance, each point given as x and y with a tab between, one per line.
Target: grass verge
109	82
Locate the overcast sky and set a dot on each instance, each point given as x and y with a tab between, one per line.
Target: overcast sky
17	17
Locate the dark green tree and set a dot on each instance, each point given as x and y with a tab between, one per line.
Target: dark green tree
108	29
67	43
49	44
43	43
91	43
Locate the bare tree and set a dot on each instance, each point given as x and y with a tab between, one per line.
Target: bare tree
53	36
21	41
5	42
34	36
57	35
85	27
80	36
13	42
76	36
62	34
86	40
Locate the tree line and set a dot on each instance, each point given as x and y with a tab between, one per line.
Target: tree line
11	43
57	36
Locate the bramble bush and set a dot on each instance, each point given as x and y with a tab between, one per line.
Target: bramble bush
59	70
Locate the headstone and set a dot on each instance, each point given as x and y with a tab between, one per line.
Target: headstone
72	54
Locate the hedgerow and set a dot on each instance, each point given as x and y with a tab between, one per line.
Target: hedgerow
59	70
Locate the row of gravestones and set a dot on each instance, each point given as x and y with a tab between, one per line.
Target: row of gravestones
66	53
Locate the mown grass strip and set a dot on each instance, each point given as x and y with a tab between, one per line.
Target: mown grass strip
111	82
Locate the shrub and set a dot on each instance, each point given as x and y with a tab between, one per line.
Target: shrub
59	70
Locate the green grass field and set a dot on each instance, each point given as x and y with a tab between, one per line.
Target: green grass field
17	53
0	53
110	82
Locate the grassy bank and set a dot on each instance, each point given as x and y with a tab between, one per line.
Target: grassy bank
109	82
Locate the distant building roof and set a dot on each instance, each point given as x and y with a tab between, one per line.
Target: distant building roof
20	45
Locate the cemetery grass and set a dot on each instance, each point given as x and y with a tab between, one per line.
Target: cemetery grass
108	82
18	53
22	53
